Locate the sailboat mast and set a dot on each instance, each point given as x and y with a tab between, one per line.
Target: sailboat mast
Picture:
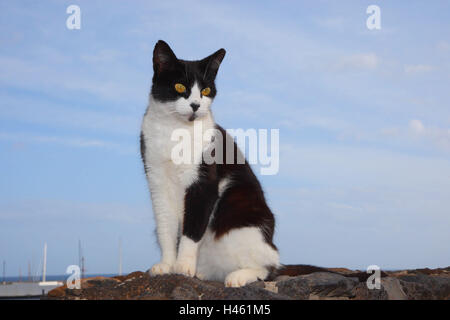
81	259
29	271
4	271
79	253
120	256
44	269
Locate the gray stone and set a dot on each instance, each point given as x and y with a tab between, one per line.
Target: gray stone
393	288
245	293
184	292
317	286
423	287
411	284
295	287
326	284
361	292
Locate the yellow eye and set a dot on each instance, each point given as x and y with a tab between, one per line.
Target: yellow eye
206	91
180	88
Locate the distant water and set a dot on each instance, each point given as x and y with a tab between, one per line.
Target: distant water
54	277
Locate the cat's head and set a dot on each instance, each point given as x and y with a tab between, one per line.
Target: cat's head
185	88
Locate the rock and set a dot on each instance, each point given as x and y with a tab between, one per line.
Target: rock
427	271
342	270
317	286
361	292
281	278
393	289
57	293
294	287
245	293
185	292
423	287
330	284
407	284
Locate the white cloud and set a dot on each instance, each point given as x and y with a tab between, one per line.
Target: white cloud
418	133
103	56
417	126
20	138
41	111
439	137
334	195
443	46
57	74
416	69
336	23
362	61
28	210
345	166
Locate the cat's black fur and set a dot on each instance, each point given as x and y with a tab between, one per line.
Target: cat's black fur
241	205
168	70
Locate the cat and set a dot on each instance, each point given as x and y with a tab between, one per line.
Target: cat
212	220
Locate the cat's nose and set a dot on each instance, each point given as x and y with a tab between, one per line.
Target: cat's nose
195	106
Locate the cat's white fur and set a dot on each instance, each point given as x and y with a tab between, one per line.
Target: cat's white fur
238	257
240	249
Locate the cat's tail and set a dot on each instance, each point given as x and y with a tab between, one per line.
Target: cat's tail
294	270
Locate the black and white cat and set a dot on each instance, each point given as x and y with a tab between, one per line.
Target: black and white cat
212	219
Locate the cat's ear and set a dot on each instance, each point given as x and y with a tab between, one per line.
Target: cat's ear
163	58
210	65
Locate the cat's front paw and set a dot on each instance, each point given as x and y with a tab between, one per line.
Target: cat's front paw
160	268
240	278
200	276
185	267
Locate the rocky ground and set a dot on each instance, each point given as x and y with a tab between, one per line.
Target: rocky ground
416	284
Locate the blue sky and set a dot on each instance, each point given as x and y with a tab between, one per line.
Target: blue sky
364	119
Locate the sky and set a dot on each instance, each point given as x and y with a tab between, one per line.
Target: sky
363	116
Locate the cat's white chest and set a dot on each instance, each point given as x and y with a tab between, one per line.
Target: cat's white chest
162	141
158	142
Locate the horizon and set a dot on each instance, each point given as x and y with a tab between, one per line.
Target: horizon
363	118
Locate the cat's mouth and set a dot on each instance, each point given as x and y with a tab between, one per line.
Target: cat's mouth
193	117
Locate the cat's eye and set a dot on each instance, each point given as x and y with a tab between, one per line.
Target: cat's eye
180	88
206	91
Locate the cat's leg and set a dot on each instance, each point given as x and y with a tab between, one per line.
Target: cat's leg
167	223
241	277
199	203
187	257
240	250
237	258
